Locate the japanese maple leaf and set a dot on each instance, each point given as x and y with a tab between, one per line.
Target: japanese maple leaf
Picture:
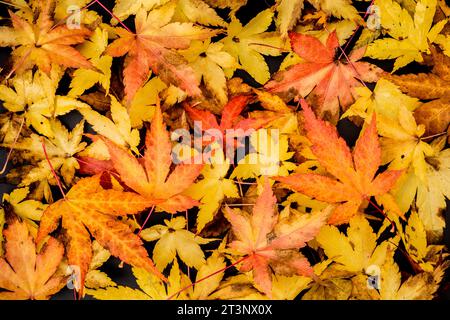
355	173
24	274
41	43
152	179
328	81
231	126
272	243
87	210
152	47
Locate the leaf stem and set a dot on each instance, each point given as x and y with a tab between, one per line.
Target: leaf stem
12	147
393	228
146	220
434	136
58	181
113	15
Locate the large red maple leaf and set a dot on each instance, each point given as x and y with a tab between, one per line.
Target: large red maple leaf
326	79
150	176
356	178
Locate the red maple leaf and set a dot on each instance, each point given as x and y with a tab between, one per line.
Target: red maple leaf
328	81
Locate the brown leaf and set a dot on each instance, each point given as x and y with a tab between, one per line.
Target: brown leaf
435	115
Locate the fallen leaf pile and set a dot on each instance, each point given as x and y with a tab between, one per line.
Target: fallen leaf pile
283	149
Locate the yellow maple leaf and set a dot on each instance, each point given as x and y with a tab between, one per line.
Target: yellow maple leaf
152	288
93	49
118	130
61	150
418	287
429	190
385	100
212	188
356	251
410	35
247	44
415	239
26	209
174	239
208	60
271	157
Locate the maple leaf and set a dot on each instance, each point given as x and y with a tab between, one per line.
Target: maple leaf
414	238
283	117
410	38
34	95
27	209
248	43
24	274
358	250
212	188
93	49
207	59
142	107
39	42
151	47
419	287
402	143
87	206
152	288
271	157
96	278
290	11
123	8
231	125
174	239
239	287
197	11
329	81
429	189
264	240
434	86
118	130
203	290
355	173
234	5
153	180
333	284
61	150
385	101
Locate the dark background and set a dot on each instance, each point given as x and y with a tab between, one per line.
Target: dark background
350	132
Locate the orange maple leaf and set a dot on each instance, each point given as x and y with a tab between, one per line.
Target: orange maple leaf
151	47
328	82
272	243
355	174
25	274
152	179
87	206
40	43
